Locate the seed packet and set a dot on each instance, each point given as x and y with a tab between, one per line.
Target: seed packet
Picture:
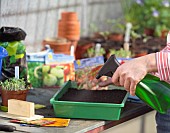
41	122
35	62
58	122
57	70
86	70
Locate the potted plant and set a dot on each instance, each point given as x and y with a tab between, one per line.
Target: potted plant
94	30
13	88
121	53
91	52
149	17
117	27
83	45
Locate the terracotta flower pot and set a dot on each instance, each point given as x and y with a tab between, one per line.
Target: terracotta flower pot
116	37
164	34
82	49
19	95
73	37
69	16
149	31
69	32
58	46
69	26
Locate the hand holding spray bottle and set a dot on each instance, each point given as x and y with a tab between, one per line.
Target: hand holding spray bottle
150	89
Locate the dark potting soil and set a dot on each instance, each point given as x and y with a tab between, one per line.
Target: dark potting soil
97	96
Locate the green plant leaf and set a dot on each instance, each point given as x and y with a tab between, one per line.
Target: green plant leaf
12	59
12	48
14	84
20	48
4	44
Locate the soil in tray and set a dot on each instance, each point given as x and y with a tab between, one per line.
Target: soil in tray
97	96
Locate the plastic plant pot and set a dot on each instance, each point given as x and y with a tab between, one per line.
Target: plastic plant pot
3	53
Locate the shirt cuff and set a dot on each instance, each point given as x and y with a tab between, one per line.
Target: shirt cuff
163	65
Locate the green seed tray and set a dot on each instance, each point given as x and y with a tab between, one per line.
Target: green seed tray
84	110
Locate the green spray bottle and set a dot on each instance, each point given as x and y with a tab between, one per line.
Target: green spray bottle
150	89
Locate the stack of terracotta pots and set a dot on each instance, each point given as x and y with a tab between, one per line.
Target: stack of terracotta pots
69	27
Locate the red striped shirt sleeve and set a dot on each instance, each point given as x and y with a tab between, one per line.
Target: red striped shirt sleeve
163	61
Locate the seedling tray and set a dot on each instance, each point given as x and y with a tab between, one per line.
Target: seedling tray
69	107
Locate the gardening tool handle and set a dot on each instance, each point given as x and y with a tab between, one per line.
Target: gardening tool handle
109	67
7	128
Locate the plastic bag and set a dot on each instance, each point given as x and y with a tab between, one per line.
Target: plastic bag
10	34
10	39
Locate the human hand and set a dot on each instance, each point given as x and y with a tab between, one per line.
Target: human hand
127	75
103	82
131	72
